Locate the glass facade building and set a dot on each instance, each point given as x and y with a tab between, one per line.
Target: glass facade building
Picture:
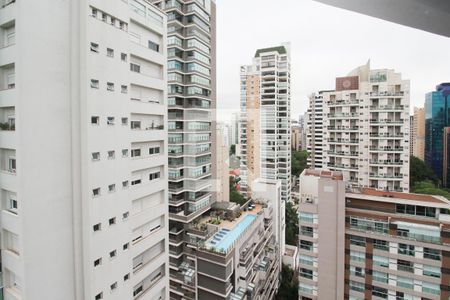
437	117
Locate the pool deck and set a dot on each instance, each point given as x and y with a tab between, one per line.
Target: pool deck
229	225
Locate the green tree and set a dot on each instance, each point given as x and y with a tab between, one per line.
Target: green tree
420	171
289	284
298	162
291	231
232	150
235	196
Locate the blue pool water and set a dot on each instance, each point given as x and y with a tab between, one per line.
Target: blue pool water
223	239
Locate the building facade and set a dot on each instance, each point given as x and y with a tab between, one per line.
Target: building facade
411	134
249	128
303	127
437	117
269	79
367	121
295	137
418	133
83	150
395	244
314	131
191	30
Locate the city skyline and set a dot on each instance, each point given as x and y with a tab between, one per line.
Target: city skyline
407	51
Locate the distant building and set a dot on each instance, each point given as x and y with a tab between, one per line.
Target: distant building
411	132
371	244
295	137
418	133
446	158
314	132
303	128
437	105
222	188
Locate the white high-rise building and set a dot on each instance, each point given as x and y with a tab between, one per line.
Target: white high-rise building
84	153
314	131
367	136
265	89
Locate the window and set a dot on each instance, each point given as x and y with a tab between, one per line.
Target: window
104	17
380	277
433	254
306	217
112	221
94	12
122	25
380	292
124	121
356	286
97	227
155	175
135	68
406	249
153	46
431	271
357	256
13	204
306	273
12	165
110	86
404	282
94	47
306	245
124	152
135	152
135	124
124	89
95	155
109	52
112	188
95	120
111	154
126	277
155	150
113	254
123	57
381	261
431	288
125	216
381	245
136	182
110	121
94	83
306	231
99	296
404	265
125	184
357	271
96	192
113	21
125	246
113	286
357	240
97	262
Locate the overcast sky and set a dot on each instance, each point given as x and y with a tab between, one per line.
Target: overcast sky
326	42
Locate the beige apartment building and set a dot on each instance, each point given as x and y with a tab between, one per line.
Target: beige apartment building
418	133
250	120
371	244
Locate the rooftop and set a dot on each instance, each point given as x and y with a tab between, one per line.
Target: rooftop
279	49
324	174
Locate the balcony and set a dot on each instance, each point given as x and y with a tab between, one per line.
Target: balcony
343	115
343	153
343	128
343	102
386	121
381	94
387	107
343	166
386	162
343	141
386	176
386	149
386	135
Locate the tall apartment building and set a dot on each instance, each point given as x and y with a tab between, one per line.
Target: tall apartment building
314	132
303	127
234	137
411	134
367	136
321	235
295	137
437	117
396	245
418	133
83	150
265	87
446	158
191	29
250	128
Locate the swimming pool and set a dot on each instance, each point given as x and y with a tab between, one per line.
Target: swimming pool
223	239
